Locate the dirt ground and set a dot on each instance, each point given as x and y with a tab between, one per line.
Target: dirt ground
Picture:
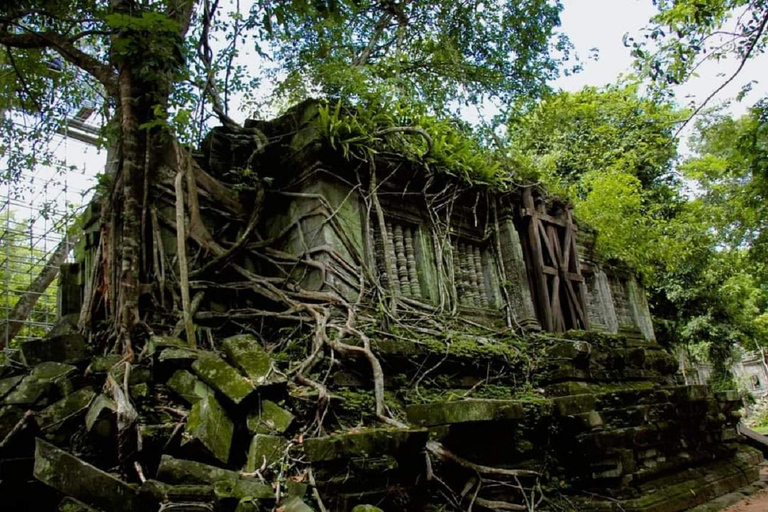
758	502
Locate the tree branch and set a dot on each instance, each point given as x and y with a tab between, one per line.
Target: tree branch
744	59
64	47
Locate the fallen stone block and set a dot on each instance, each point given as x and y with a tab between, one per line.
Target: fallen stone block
247	354
366	443
68	407
209	424
243	488
7	385
180	471
72	505
167	341
188	387
265	450
65	348
295	504
366	508
67	324
271	418
222	377
103	364
10	416
102	410
575	404
39	382
139	374
82	481
180	496
180	356
463	411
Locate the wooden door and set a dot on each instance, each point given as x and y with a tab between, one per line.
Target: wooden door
554	267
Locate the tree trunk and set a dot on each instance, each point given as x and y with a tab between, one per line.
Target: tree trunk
27	301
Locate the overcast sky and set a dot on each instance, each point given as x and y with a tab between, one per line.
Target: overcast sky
602	24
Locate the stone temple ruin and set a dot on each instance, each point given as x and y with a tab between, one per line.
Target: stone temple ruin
519	371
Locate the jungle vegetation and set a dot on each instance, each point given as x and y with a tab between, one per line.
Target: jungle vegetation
163	71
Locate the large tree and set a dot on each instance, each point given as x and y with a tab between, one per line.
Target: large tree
149	60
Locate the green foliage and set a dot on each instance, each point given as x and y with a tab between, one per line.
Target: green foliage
611	152
615	129
717	293
20	263
686	32
430	143
731	168
430	52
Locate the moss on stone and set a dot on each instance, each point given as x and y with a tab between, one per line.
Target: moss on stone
265	450
243	488
188	387
464	411
208	423
365	443
222	377
7	384
179	471
69	406
39	382
247	354
270	418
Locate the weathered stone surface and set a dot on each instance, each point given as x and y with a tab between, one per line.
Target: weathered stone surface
41	379
161	492
575	404
366	443
72	505
188	387
265	450
103	364
168	341
65	348
71	405
180	471
67	324
271	418
6	385
246	353
222	377
73	477
366	508
295	489
178	355
139	374
242	488
208	423
9	417
248	506
463	411
102	409
296	504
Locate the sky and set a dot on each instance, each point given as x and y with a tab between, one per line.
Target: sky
589	24
602	24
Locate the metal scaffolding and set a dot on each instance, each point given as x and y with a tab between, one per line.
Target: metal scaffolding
35	213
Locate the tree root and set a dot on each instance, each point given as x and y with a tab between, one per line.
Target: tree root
443	453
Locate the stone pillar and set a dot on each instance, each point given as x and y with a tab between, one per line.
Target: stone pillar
516	285
602	315
69	295
638	304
